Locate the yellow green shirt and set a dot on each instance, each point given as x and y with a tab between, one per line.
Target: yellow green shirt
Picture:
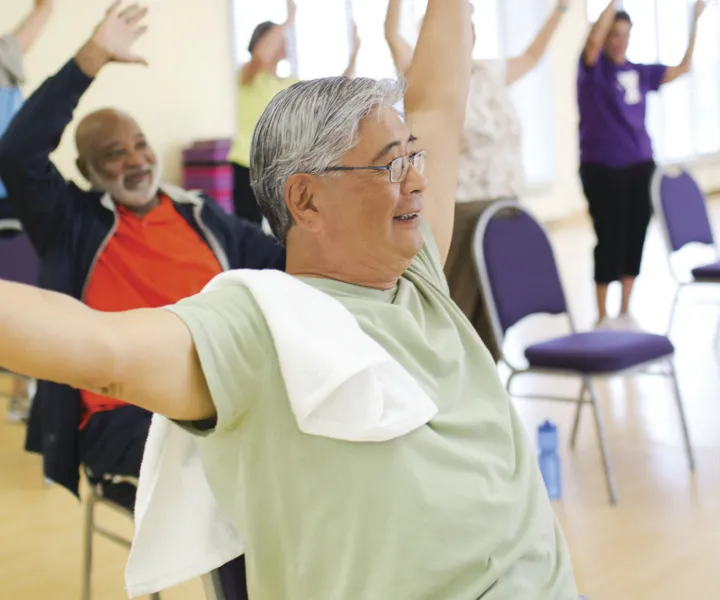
455	510
252	99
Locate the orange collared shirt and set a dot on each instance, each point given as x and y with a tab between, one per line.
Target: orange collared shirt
150	261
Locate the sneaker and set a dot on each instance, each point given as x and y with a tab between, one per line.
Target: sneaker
604	324
626	323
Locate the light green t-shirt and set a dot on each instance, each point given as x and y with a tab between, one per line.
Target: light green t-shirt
252	99
455	510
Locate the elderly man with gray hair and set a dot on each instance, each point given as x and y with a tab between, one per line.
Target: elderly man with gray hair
454	509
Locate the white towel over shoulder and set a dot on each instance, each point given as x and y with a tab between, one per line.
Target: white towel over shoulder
341	384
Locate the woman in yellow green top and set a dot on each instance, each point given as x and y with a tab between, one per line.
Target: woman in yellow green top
258	84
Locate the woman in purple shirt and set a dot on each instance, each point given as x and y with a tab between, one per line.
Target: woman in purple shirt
616	157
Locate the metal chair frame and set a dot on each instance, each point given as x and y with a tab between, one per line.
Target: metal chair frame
588	393
681	283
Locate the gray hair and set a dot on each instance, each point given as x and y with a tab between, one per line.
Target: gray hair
306	129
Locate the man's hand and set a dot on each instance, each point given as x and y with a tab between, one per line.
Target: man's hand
700	7
113	39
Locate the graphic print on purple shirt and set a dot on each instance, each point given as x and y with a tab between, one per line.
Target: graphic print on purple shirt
612	100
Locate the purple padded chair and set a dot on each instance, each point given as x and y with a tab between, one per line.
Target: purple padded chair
18	261
681	211
519	278
227	582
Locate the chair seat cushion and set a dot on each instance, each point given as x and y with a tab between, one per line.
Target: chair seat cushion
599	351
705	272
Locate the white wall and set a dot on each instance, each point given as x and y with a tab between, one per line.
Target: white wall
187	91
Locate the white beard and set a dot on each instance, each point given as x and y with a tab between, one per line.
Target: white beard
117	189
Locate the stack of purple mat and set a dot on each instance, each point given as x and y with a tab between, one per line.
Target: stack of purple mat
205	168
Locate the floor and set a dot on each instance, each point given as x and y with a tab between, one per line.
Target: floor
660	542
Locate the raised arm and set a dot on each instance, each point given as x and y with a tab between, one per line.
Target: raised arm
598	34
144	357
30	28
435	104
36	190
672	73
401	51
519	66
266	50
350	71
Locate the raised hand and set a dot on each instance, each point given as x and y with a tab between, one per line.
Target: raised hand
119	30
291	11
357	42
700	7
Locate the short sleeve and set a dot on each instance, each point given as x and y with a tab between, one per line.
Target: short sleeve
235	349
428	263
12	72
651	76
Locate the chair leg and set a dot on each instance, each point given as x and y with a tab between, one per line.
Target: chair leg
88	546
683	420
578	410
599	426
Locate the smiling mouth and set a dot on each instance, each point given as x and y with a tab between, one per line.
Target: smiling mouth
407	217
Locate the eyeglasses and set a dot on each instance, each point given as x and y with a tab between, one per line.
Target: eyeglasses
397	168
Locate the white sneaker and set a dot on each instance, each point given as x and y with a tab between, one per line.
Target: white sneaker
626	323
605	324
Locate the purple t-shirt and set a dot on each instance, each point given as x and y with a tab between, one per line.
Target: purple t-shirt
612	103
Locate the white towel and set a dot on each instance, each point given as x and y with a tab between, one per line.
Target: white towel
341	384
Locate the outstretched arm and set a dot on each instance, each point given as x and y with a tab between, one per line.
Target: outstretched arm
599	33
435	104
145	357
401	51
672	73
519	66
29	30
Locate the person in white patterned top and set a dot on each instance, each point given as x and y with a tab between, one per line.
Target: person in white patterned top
490	161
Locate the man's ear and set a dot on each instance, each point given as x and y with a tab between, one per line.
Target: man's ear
300	196
82	167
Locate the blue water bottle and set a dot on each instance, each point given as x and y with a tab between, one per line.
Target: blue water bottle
549	459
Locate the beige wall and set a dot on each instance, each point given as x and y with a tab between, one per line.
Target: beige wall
187	91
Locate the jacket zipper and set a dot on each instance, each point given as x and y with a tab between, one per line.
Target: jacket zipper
100	250
212	240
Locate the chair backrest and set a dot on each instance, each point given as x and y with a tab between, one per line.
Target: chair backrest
228	582
680	208
18	260
516	267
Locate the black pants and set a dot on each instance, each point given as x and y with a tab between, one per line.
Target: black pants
620	208
113	443
246	205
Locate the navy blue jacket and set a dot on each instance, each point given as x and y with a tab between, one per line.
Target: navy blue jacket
69	227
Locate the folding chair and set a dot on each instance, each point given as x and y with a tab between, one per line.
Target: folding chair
18	262
116	494
228	582
682	214
519	277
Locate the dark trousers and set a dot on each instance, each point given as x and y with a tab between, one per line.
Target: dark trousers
620	207
246	205
113	443
462	276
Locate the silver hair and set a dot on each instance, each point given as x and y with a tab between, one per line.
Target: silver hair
306	129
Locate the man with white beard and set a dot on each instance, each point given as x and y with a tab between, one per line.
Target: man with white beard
129	242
